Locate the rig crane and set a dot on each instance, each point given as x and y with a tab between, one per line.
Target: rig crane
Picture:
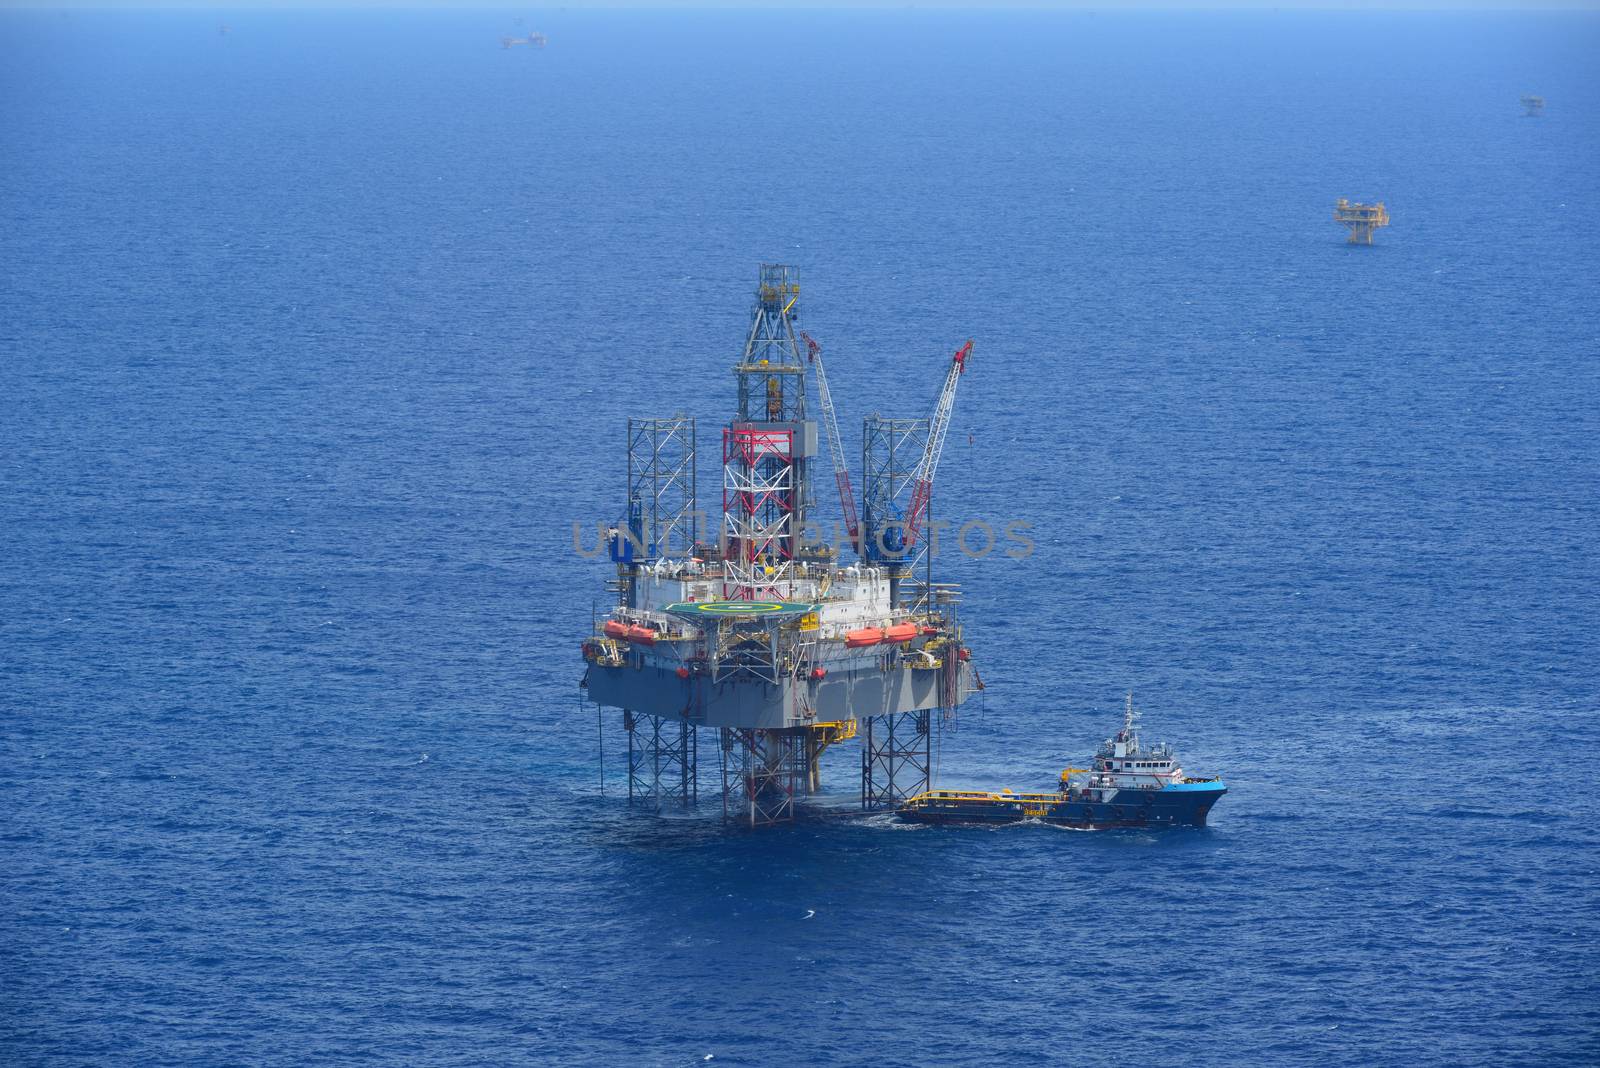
841	473
922	478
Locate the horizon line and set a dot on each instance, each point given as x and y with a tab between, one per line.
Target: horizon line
1099	7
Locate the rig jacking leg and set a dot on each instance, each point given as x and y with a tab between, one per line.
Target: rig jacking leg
662	758
763	770
896	758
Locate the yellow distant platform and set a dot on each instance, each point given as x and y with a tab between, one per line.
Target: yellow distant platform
1360	219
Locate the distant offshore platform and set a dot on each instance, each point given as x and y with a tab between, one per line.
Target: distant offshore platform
1360	219
533	40
760	634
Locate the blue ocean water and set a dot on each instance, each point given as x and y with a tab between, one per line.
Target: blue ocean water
316	337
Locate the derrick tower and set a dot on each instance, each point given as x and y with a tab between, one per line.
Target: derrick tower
767	448
762	637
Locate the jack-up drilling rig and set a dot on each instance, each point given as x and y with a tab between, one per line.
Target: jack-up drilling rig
762	634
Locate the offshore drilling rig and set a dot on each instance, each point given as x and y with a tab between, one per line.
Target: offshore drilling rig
762	634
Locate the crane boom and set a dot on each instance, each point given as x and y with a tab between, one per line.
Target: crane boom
922	488
830	421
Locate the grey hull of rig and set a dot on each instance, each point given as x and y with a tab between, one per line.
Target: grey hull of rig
773	643
849	690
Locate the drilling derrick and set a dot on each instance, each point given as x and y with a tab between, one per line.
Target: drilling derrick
766	449
764	637
1360	219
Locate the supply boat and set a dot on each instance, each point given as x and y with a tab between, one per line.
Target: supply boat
1127	786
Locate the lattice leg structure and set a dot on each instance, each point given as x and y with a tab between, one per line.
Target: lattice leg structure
896	757
663	755
661	477
763	771
891	449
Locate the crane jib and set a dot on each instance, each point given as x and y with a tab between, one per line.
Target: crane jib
830	422
929	466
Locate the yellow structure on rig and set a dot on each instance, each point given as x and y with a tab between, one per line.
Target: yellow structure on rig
1360	219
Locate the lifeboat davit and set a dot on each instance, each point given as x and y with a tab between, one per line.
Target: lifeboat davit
855	639
900	632
642	635
614	629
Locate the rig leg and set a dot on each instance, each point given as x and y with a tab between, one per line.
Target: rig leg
896	756
762	772
662	758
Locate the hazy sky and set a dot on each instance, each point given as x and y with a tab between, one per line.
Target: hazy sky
1096	5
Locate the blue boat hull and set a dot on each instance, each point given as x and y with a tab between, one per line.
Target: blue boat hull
1183	805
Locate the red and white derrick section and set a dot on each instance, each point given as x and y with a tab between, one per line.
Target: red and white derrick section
758	499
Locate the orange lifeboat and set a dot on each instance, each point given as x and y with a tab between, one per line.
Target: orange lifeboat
855	639
614	629
642	635
900	632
